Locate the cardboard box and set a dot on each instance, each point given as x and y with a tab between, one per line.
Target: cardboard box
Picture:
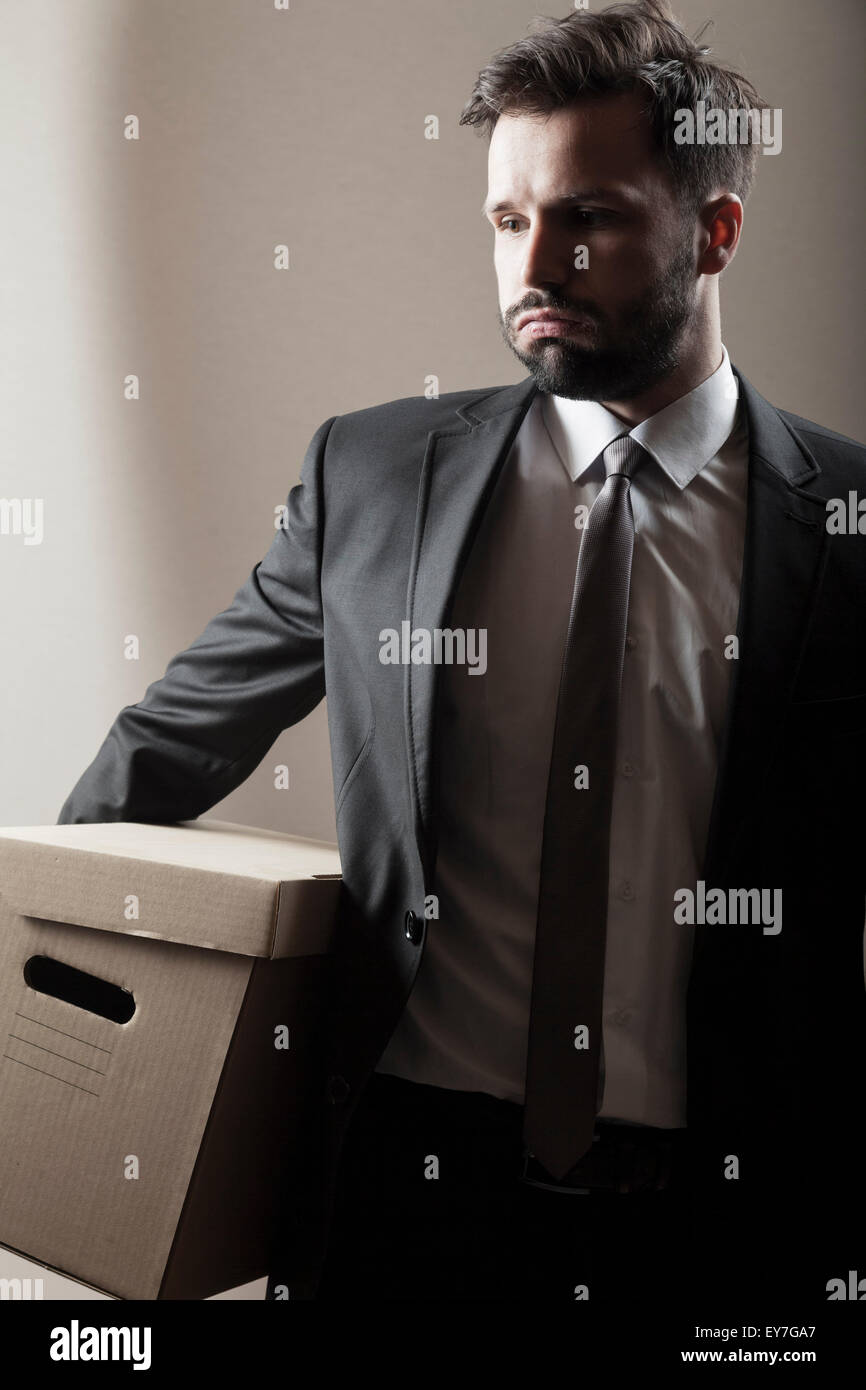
160	989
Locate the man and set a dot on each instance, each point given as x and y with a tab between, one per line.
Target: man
597	1001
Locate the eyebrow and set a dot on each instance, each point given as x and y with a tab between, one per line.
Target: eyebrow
585	195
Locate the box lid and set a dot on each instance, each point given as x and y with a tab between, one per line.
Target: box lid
207	883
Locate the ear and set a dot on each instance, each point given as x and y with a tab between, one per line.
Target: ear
720	222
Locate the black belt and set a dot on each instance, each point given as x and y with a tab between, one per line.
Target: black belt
623	1158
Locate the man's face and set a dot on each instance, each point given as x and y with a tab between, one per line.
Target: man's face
589	176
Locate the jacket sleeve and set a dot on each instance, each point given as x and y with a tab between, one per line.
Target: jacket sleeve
258	667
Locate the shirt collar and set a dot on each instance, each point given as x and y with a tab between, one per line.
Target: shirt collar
682	438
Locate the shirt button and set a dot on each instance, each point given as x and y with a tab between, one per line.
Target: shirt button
628	770
630	642
626	890
621	1016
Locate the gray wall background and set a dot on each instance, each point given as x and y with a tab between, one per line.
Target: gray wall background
155	257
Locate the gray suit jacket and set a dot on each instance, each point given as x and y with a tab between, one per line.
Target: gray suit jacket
378	531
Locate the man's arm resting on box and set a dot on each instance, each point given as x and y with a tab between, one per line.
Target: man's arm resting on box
257	668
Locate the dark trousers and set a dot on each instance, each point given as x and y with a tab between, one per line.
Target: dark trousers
430	1205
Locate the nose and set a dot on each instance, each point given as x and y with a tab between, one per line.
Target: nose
548	257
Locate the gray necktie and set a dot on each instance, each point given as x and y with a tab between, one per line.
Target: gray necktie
565	1026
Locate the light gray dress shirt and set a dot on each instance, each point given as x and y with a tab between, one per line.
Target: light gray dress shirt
467	1019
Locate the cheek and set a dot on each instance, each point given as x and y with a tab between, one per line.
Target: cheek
507	277
501	260
618	264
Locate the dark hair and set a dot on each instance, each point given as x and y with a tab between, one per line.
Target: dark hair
623	48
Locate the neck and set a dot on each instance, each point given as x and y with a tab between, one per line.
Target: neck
698	361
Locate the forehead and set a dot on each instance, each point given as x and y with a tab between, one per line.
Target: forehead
598	141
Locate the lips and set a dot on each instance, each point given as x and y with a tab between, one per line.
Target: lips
557	320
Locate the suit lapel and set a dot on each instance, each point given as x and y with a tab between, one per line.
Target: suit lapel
784	554
460	469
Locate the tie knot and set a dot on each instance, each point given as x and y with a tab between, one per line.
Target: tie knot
623	455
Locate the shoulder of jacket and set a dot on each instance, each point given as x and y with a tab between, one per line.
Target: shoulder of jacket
818	434
427	412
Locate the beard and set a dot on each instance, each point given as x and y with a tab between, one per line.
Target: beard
627	359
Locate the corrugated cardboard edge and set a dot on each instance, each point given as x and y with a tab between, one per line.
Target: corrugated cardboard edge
202	1160
291	990
55	1269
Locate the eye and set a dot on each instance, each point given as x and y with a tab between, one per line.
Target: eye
593	215
584	217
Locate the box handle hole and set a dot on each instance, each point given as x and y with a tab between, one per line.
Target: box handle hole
61	981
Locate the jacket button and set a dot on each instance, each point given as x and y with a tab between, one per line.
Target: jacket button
414	927
338	1090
